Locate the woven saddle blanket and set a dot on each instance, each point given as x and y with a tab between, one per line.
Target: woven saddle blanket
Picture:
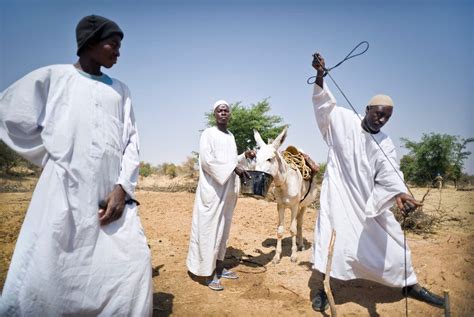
296	160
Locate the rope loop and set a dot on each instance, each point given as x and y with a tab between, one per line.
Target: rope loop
297	162
348	56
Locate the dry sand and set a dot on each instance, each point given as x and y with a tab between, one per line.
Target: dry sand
443	260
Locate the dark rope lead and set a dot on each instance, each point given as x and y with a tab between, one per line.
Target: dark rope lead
353	108
349	56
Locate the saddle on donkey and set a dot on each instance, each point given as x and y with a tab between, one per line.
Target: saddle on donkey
300	161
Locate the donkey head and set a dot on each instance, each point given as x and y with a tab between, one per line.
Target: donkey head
268	158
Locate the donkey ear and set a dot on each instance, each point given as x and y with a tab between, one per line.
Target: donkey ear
280	138
258	138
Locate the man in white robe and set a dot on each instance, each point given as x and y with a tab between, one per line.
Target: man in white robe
359	187
216	196
73	257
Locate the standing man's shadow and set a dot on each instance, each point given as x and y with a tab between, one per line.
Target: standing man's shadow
365	293
162	304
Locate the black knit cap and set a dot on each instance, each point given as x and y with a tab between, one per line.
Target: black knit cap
94	28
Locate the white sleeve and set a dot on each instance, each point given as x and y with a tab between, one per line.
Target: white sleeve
219	171
388	181
22	112
323	103
131	156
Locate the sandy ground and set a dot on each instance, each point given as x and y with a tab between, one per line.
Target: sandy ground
443	260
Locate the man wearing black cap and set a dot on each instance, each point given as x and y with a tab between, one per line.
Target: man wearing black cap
72	256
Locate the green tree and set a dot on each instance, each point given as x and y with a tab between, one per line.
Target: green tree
435	153
190	167
8	158
244	120
145	169
171	170
322	170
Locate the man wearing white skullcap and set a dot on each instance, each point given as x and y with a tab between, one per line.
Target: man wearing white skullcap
221	102
216	196
360	185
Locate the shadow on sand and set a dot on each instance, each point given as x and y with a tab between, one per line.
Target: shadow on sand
285	245
365	293
162	304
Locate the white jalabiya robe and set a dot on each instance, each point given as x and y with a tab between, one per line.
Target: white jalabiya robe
83	133
357	191
216	196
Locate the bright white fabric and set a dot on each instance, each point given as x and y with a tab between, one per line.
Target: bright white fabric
357	191
220	102
83	133
216	196
381	100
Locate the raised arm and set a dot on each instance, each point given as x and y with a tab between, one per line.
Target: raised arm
323	101
319	65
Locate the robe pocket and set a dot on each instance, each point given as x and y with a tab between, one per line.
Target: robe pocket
107	135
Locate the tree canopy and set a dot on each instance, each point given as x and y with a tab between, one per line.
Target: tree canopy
244	120
11	163
435	153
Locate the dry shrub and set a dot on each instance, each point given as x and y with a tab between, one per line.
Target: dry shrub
162	183
424	220
418	221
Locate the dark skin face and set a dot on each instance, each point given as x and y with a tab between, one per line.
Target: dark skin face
222	115
104	53
376	117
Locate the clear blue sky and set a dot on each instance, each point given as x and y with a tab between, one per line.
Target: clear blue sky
178	57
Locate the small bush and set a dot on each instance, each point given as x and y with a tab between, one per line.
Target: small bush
145	169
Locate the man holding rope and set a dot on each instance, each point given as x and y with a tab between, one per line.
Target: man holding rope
361	183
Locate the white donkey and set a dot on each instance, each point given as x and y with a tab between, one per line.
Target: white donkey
291	191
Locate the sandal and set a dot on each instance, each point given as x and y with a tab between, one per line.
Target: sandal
215	285
228	274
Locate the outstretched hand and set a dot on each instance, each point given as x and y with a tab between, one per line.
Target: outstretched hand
112	208
406	203
239	170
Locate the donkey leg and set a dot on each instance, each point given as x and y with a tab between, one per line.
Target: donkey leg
299	229
293	230
280	231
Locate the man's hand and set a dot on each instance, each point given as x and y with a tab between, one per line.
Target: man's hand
250	154
407	203
239	170
112	208
320	66
318	63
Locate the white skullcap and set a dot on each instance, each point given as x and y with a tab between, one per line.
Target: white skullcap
221	102
381	100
